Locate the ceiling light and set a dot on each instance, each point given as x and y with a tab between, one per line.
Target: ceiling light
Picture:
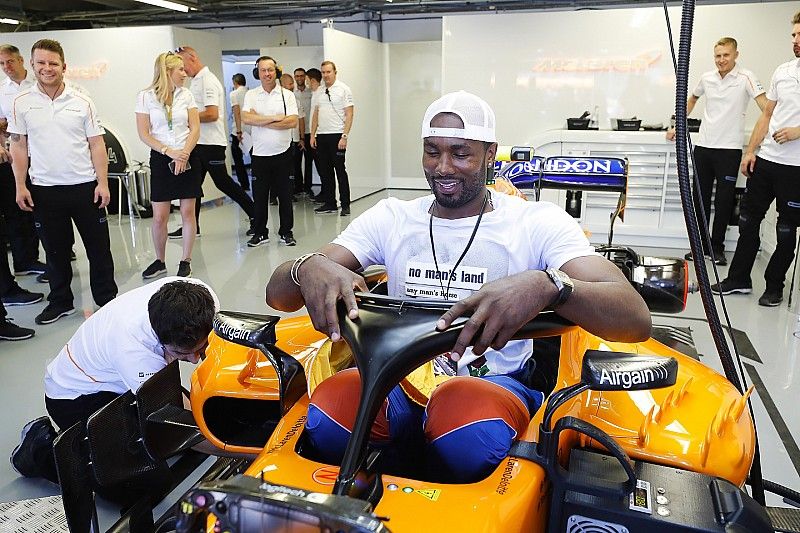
166	4
9	21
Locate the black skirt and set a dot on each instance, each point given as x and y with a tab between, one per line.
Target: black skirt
166	186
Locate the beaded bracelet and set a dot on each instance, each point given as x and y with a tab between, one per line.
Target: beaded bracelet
299	262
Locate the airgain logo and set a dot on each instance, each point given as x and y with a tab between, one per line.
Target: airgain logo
229	331
629	378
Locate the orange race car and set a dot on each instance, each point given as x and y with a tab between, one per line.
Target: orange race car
632	436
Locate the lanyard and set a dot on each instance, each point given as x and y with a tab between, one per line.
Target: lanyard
446	294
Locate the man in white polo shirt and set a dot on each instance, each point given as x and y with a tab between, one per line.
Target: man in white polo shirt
21	230
718	148
272	112
773	175
331	120
60	129
210	99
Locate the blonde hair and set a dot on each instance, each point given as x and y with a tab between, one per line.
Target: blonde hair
727	41
162	84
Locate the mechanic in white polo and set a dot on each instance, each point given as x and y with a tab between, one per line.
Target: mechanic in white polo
718	149
60	129
117	349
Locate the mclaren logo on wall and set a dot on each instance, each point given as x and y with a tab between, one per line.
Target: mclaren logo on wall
629	378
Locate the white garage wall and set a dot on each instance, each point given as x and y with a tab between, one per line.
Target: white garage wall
292	57
361	64
536	69
415	80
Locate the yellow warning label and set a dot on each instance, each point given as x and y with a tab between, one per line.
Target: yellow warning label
431	494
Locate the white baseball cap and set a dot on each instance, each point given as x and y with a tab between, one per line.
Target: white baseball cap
474	112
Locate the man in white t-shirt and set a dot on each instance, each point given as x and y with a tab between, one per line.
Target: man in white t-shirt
236	98
116	350
271	111
457	244
718	148
210	99
331	121
59	127
772	175
21	229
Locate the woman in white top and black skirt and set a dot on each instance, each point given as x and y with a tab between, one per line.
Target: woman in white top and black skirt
168	122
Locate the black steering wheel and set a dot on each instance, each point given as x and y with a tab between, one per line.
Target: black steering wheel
390	338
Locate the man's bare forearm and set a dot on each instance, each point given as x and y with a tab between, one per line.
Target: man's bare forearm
19	158
282	294
97	149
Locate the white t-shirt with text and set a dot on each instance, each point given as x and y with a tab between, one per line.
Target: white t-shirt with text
514	237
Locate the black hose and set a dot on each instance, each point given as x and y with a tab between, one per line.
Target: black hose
780	490
681	153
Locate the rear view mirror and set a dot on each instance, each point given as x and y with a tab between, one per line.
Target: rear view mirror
615	371
246	329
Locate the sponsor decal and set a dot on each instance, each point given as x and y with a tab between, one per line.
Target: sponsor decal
628	378
565	165
326	475
229	331
431	494
506	477
289	434
299	493
638	63
94	71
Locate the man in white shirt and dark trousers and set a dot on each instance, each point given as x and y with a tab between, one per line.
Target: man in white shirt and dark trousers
21	229
210	99
772	175
237	99
116	350
60	129
271	110
718	148
331	120
303	172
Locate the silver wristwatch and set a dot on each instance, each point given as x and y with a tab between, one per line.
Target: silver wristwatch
563	283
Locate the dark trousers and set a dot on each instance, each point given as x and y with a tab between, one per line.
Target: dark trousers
56	208
238	163
770	181
65	414
21	229
7	283
329	160
212	161
720	166
303	173
272	173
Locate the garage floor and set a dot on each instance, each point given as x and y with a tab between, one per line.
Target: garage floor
771	336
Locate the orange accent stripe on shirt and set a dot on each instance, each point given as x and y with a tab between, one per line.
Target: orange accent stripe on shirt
78	366
88	103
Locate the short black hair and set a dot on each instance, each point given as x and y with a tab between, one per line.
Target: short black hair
299	69
239	79
181	313
314	74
